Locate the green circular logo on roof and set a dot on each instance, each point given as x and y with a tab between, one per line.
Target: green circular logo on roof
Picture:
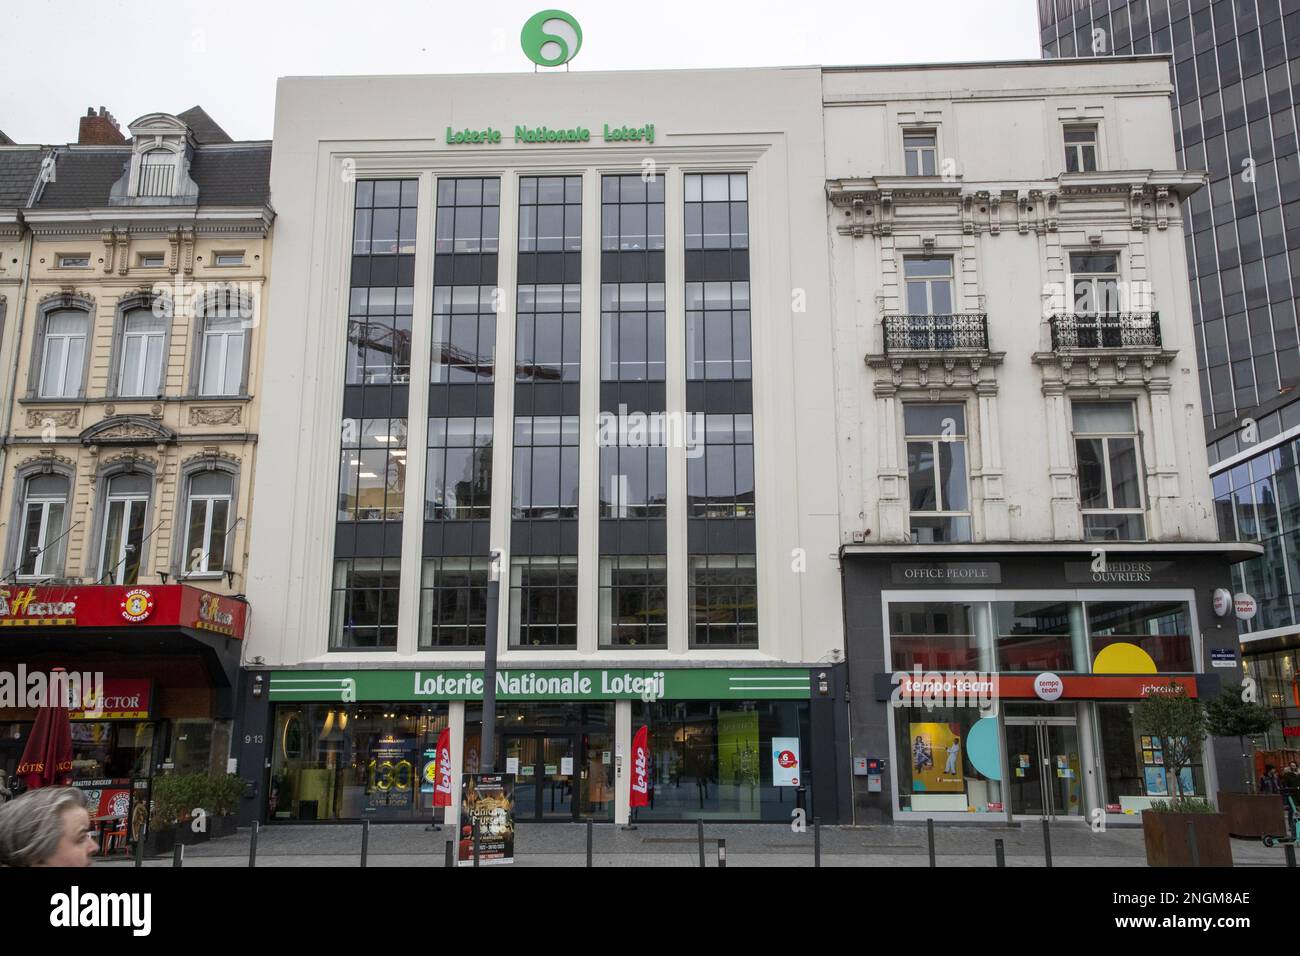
551	38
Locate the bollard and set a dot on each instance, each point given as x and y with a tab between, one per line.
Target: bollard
722	854
476	843
999	853
448	857
1289	849
699	833
929	833
252	844
139	849
1191	843
365	841
1047	842
589	831
817	841
178	852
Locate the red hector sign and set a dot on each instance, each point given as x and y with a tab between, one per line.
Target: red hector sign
640	795
442	784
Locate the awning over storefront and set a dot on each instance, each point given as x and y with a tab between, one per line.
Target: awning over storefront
173	633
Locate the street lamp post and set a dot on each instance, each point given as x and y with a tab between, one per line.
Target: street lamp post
487	751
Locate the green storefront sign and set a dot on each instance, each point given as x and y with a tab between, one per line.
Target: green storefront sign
706	683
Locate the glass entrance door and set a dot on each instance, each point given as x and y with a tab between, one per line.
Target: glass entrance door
545	768
1046	776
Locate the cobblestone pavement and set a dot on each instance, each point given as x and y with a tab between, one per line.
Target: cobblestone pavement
562	844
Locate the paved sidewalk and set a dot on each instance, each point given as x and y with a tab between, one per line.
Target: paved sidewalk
658	845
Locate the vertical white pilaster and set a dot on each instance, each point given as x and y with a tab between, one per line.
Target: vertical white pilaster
622	756
675	406
503	394
589	419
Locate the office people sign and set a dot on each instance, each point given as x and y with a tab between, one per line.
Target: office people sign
703	683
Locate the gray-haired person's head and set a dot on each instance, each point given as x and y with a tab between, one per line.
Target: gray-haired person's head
32	825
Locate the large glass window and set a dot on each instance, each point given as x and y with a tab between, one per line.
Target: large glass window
1134	763
453	602
122	552
364	606
634	601
720	475
1094	278
947	759
464	333
41	542
550	213
221	365
548	333
631	213
372	469
1040	636
208	526
937	472
937	636
1110	471
458	477
632	332
723	600
544	601
469	216
929	285
62	361
141	353
717	331
379	335
1159	628
713	760
717	211
354	761
633	481
545	467
384	217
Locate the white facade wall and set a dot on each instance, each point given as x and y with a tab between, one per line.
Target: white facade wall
1004	208
332	130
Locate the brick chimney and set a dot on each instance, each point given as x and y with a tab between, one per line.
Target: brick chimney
99	129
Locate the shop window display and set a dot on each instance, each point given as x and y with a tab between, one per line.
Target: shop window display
1134	763
947	759
353	761
716	760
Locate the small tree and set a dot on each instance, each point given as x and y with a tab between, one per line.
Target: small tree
1232	715
1178	721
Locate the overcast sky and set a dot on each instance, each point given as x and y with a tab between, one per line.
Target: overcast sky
143	56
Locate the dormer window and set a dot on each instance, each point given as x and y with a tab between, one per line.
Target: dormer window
157	169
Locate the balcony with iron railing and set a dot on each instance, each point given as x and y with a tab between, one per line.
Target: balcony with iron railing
1105	330
958	331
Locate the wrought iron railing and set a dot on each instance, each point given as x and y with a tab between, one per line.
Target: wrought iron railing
1105	330
936	333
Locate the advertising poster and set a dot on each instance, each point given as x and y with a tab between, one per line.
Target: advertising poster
936	758
785	762
390	773
489	800
738	750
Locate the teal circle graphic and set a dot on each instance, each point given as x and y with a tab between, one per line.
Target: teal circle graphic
548	49
982	747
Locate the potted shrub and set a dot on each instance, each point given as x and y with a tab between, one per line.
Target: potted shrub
170	818
1249	814
224	794
1179	722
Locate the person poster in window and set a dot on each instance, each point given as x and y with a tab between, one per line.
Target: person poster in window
936	758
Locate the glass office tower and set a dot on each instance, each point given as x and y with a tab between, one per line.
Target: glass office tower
1236	71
